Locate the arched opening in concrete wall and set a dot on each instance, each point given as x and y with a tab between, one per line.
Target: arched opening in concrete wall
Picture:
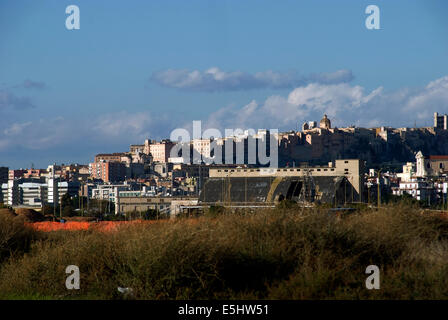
294	190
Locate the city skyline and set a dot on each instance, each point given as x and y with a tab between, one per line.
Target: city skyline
140	71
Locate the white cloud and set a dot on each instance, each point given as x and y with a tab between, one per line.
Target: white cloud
10	100
121	124
343	103
111	129
215	79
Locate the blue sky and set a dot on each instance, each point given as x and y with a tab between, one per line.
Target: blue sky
139	69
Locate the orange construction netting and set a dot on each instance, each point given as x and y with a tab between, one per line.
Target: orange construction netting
76	225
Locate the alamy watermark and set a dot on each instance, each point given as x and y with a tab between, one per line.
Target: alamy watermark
236	146
72	281
373	281
72	22
373	20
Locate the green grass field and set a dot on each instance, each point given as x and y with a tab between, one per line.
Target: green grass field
283	253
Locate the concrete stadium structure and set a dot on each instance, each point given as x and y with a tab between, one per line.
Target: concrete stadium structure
339	182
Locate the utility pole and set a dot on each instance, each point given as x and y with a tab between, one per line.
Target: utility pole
379	189
368	194
54	201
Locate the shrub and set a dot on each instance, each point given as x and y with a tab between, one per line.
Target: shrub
15	237
283	253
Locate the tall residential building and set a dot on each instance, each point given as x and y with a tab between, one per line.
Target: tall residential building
57	189
11	193
440	121
161	151
35	192
4	173
202	146
108	171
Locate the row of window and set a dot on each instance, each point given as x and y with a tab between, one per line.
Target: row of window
278	170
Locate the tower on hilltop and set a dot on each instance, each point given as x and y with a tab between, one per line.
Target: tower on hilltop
440	121
325	123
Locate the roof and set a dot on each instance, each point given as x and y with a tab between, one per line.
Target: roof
109	154
443	157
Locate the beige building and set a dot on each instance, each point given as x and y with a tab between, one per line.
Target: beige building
168	205
430	166
109	157
351	169
440	121
202	146
160	151
408	172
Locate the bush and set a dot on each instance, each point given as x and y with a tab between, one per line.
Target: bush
272	254
15	237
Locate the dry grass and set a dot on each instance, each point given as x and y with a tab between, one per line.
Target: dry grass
273	254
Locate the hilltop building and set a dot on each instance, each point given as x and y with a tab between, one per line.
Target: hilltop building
440	121
325	123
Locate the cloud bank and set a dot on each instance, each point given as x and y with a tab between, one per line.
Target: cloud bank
345	104
215	79
10	100
30	84
112	129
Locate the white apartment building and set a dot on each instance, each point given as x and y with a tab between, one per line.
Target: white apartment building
418	189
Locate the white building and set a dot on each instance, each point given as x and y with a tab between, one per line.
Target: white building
418	189
408	172
421	165
33	194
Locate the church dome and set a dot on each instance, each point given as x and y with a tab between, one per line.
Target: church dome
325	123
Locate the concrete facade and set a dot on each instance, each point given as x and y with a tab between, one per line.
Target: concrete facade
351	169
140	204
